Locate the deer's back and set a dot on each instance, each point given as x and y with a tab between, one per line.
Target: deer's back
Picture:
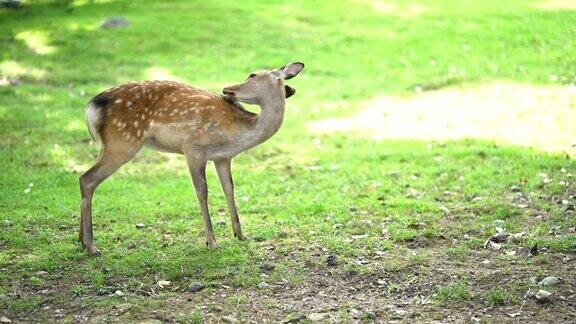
168	115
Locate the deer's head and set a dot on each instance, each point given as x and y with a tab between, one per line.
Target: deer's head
264	84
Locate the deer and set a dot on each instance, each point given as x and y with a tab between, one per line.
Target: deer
177	118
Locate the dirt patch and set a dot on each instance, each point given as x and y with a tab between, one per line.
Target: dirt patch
556	5
535	116
395	289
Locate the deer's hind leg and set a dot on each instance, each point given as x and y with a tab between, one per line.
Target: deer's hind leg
225	176
111	158
197	167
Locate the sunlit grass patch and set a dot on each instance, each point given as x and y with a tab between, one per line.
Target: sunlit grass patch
13	69
37	41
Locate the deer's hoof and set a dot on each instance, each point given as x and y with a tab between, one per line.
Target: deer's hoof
212	245
241	237
92	249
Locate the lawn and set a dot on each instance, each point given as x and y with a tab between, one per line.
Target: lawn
403	220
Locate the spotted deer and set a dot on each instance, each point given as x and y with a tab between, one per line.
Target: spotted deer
174	117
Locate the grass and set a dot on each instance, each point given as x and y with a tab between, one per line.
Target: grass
498	297
403	216
453	293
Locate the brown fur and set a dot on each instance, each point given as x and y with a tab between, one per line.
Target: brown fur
134	109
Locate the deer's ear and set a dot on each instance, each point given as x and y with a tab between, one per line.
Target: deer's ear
289	91
290	70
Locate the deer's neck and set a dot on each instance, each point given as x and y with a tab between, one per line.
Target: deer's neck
268	123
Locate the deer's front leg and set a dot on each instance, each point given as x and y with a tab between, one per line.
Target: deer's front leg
225	176
197	169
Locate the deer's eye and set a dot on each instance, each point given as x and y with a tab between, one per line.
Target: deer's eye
251	75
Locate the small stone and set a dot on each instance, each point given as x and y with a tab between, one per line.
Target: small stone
5	319
118	293
493	246
40	273
195	286
266	267
287	308
331	260
229	319
115	22
294	318
499	237
263	285
400	312
543	296
549	281
140	225
316	317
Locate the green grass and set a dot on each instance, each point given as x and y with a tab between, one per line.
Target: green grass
498	297
456	292
384	202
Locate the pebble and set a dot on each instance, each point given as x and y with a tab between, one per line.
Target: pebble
195	286
315	317
287	308
229	319
499	237
119	293
115	22
262	285
5	319
294	318
140	225
266	267
543	296
549	281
